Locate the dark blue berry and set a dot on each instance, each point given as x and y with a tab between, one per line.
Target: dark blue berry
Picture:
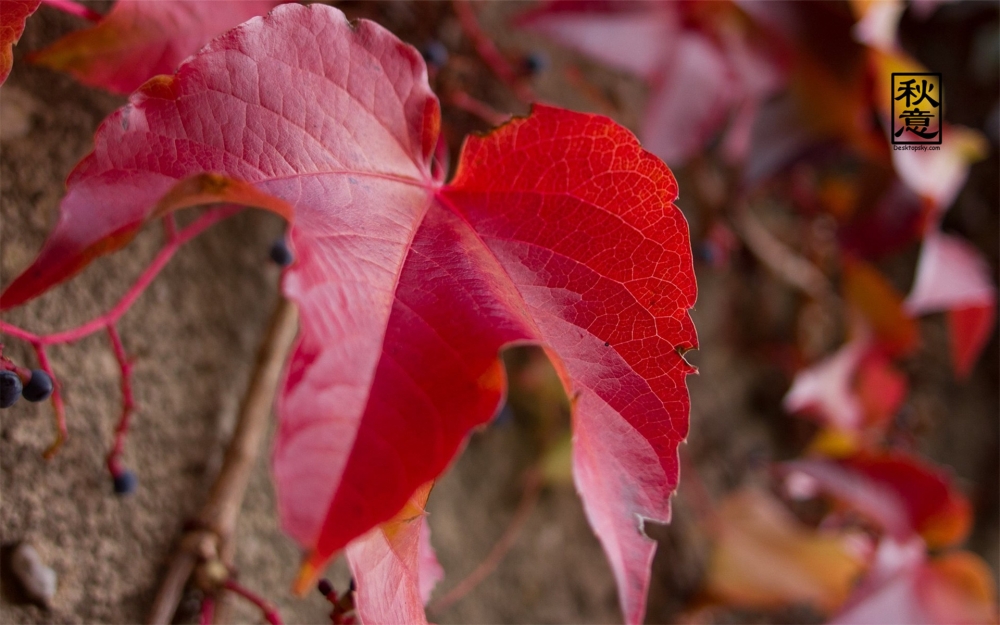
39	387
10	388
280	254
535	63
352	586
325	587
435	54
125	483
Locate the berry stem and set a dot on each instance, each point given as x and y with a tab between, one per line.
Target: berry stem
97	324
482	110
128	402
269	611
74	8
207	610
58	408
488	51
174	240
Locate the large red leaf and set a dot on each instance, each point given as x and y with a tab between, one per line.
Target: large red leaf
13	14
558	229
139	39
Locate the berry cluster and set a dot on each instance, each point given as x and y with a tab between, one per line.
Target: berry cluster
34	385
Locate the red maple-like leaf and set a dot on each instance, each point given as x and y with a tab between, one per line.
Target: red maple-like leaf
707	64
139	39
13	14
558	229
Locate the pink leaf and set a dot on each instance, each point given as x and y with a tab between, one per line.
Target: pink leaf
139	39
704	62
558	229
13	14
826	389
950	274
953	276
395	567
904	586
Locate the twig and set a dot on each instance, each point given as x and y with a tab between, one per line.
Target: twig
782	260
532	488
212	538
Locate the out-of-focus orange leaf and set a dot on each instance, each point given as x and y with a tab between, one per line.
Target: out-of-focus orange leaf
867	290
903	586
958	587
766	558
953	276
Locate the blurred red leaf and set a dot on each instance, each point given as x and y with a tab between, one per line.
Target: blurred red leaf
764	557
905	587
707	64
881	388
13	14
825	390
901	493
557	229
395	567
139	39
953	276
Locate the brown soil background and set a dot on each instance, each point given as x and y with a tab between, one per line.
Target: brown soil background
195	332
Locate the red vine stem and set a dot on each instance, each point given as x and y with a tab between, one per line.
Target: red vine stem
488	51
57	404
112	316
207	610
73	8
482	110
106	321
269	611
128	402
532	488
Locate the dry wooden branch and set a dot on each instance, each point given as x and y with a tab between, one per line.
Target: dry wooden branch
782	260
211	538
